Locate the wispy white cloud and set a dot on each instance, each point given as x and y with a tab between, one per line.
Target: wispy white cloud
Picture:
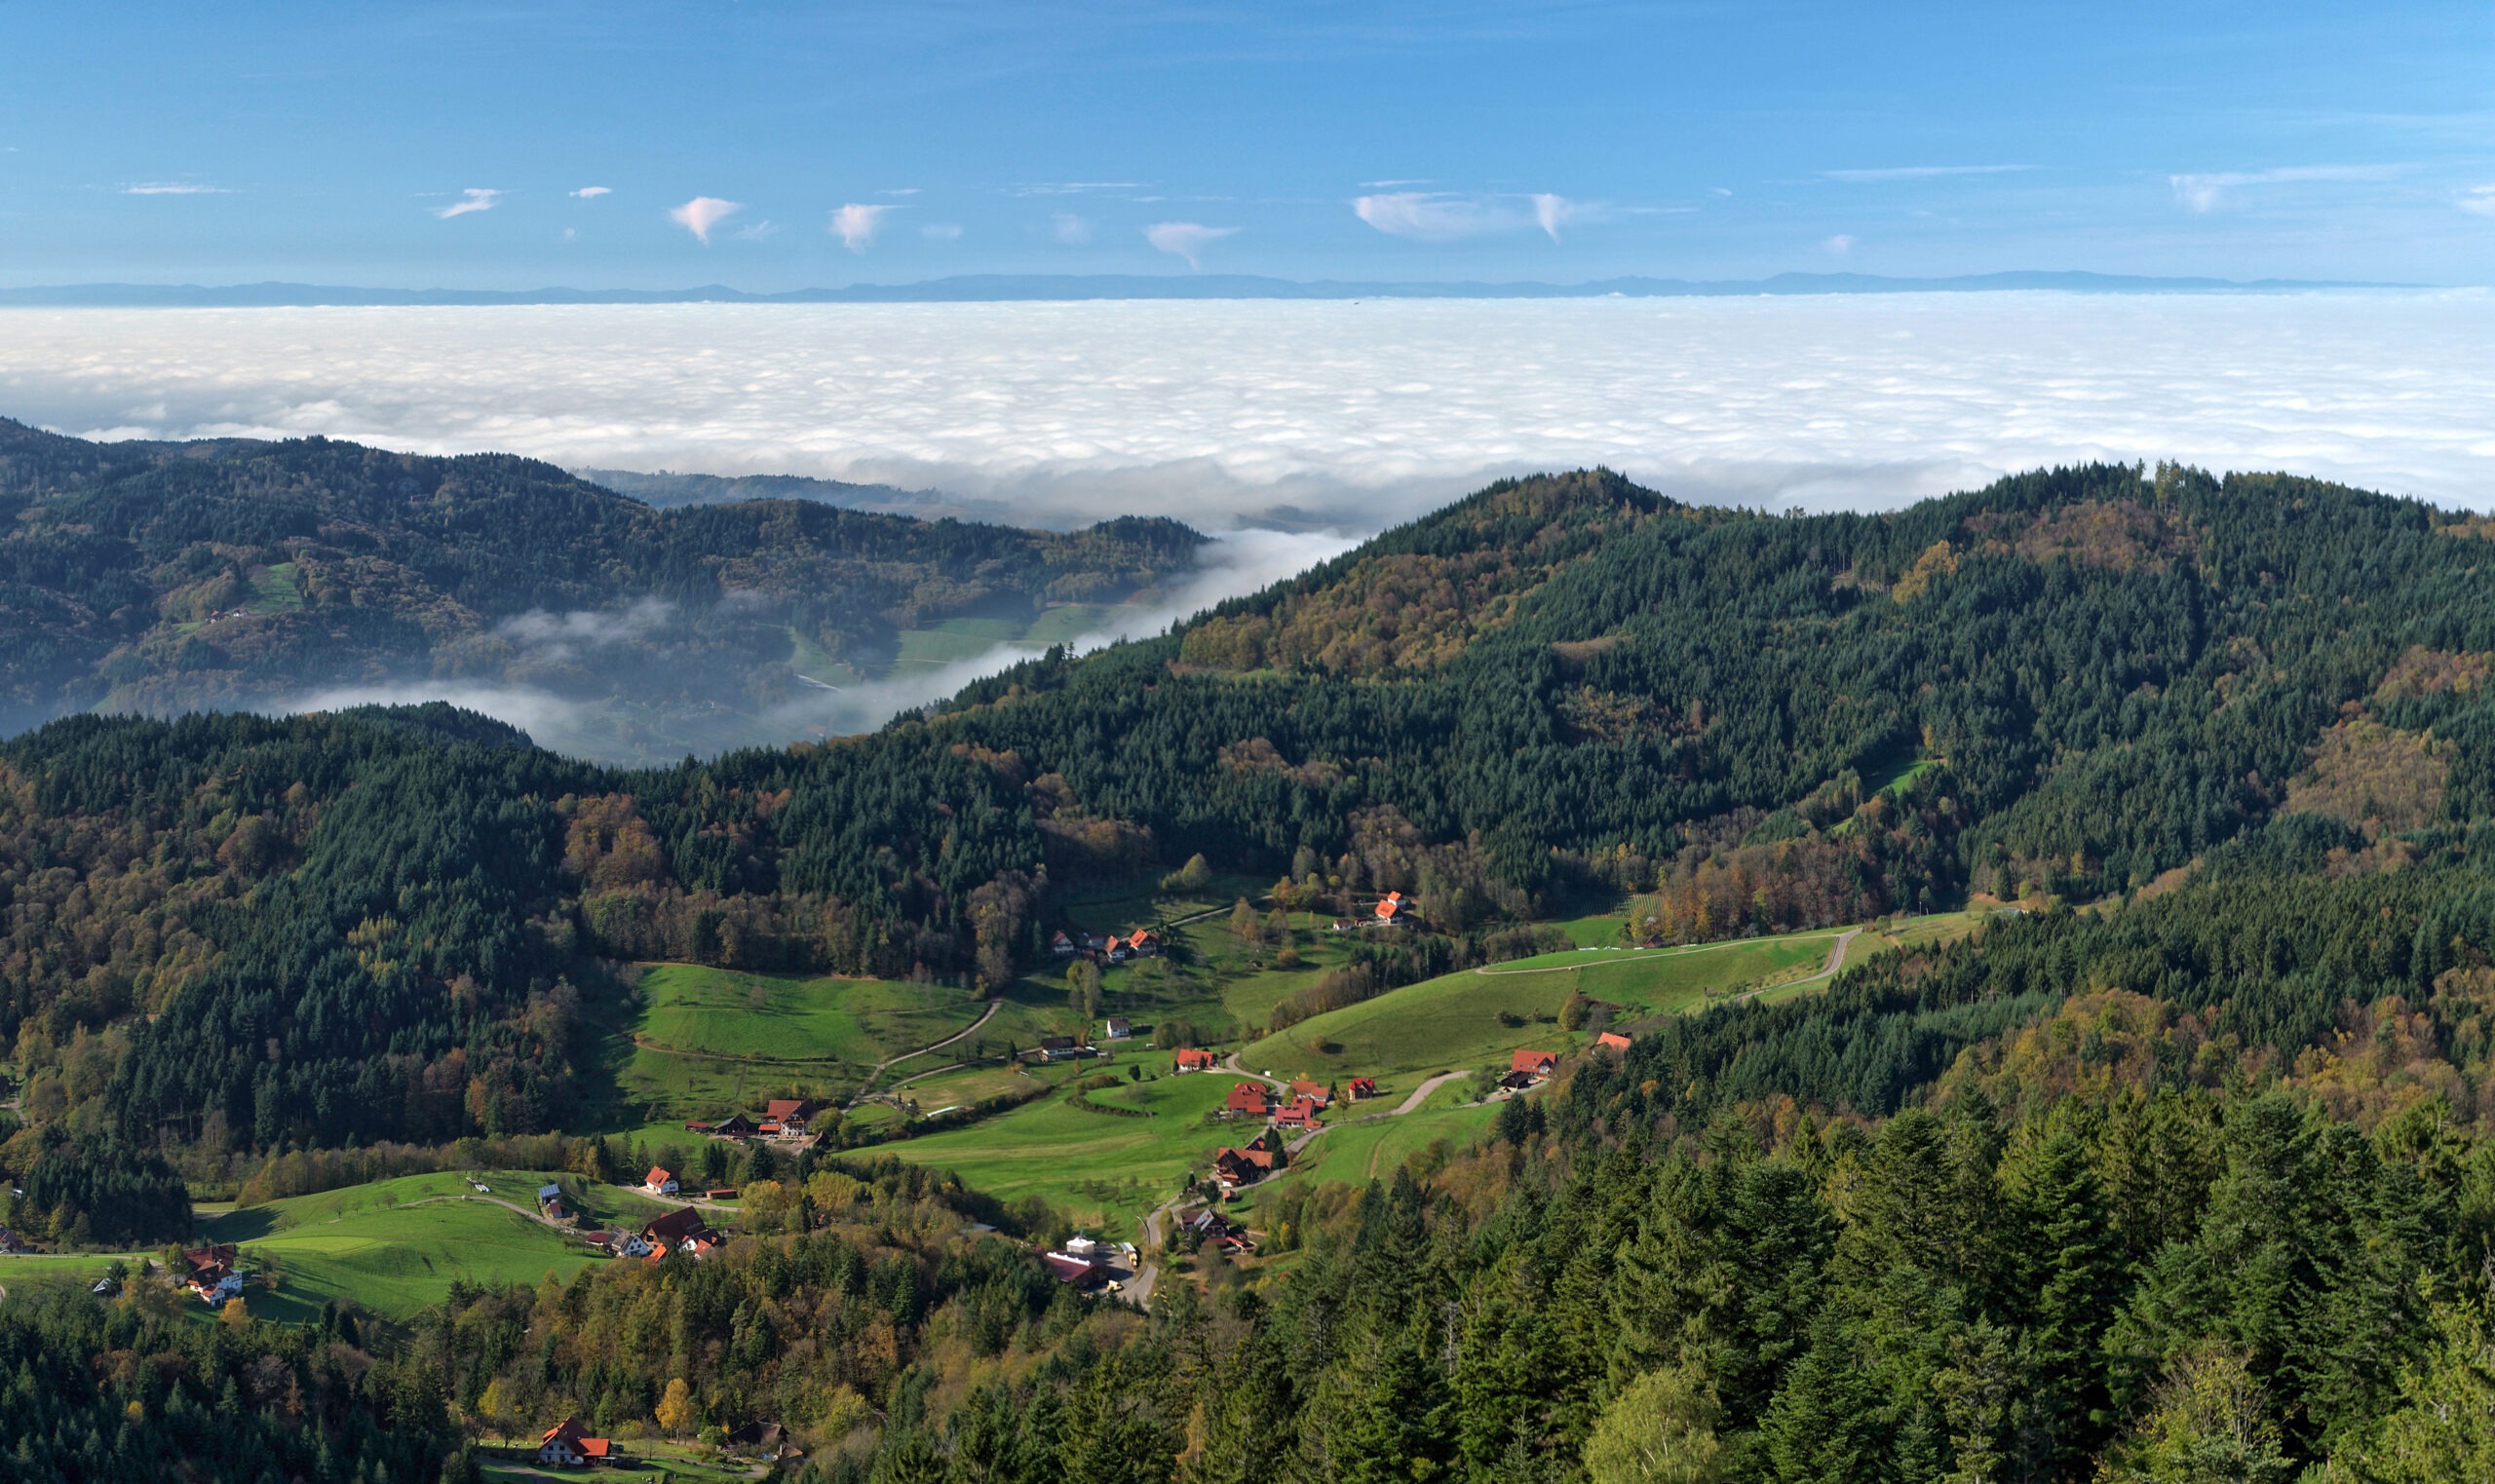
1185	238
1074	187
756	232
899	190
169	188
2206	191
593	192
2479	199
856	225
473	199
941	231
1069	230
562	635
1552	212
1838	246
702	213
1919	172
1432	216
1440	217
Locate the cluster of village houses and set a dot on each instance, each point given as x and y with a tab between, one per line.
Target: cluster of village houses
1393	910
1110	947
683	1229
782	1118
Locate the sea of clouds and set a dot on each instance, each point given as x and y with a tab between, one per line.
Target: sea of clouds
1293	429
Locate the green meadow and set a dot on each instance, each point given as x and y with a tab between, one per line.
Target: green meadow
1105	1171
1359	1151
396	1246
708	1042
1444	1024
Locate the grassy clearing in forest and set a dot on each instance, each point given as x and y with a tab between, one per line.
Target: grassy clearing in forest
1105	1171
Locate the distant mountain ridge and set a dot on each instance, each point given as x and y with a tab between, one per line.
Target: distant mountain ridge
170	577
1075	288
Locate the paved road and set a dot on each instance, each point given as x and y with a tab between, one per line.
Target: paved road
1271	1082
1836	961
1421	1094
1138	1290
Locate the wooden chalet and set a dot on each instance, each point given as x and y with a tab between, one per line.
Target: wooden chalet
1534	1064
1612	1041
565	1446
683	1229
1315	1092
1192	1059
1233	1169
1393	910
736	1126
659	1182
1247	1098
791	1113
766	1440
1301	1113
1360	1087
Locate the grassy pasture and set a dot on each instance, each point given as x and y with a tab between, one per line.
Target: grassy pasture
1442	1023
1355	1152
709	1040
954	639
396	1246
1105	1171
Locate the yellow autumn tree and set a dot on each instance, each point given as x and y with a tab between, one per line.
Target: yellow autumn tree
675	1412
494	1408
234	1314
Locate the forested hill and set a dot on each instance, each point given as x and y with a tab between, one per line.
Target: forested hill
158	577
2071	685
2183	1167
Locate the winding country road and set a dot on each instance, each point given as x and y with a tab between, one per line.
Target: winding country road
1836	961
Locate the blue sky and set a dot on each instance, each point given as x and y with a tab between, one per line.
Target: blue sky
518	145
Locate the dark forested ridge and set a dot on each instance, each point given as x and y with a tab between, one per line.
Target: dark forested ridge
156	577
2184	1168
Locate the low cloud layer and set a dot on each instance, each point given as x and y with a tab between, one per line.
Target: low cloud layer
1355	415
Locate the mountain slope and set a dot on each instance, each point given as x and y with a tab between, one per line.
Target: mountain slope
158	577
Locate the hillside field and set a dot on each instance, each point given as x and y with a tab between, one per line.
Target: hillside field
708	1042
396	1246
1103	1170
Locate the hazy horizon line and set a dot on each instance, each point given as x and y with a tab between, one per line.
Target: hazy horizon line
1011	288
